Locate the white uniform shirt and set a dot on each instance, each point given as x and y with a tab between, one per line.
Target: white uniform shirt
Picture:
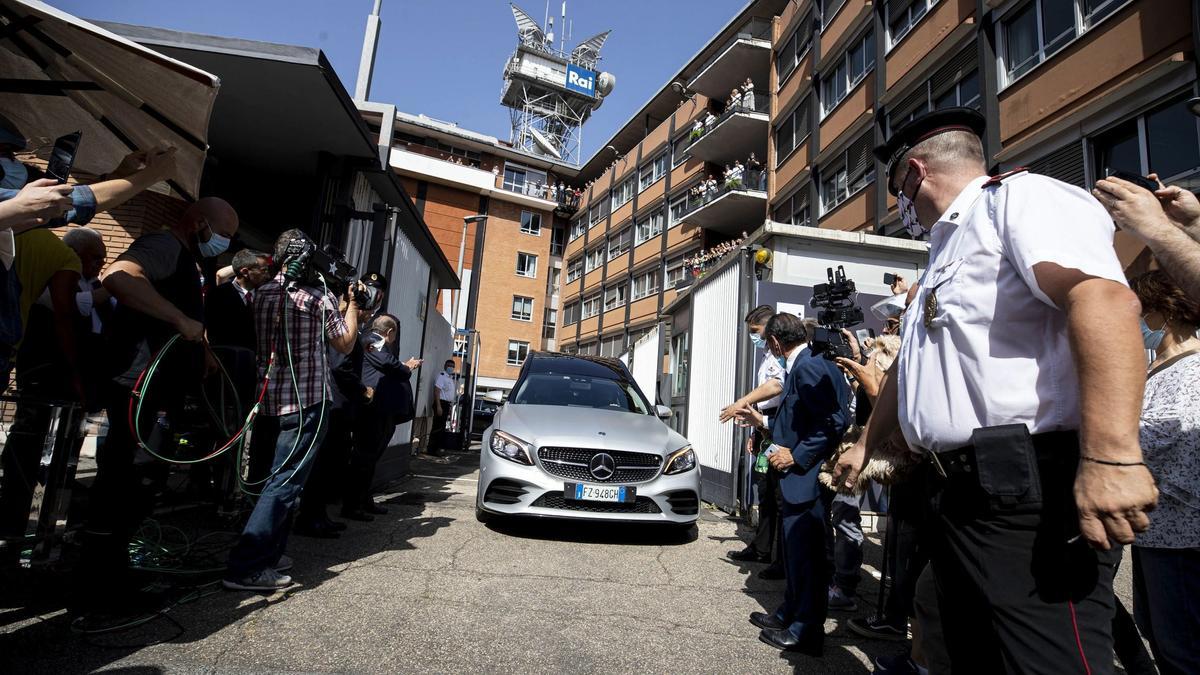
769	369
446	387
996	349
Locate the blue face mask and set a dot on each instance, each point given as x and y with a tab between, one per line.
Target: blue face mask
1152	338
15	174
215	246
758	341
782	361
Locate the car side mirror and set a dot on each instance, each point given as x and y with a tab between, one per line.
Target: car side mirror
663	412
494	396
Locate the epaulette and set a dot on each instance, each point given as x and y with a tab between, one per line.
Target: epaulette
996	180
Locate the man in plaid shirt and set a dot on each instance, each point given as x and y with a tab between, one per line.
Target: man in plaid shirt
290	319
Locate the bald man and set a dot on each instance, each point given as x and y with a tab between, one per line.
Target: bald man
157	285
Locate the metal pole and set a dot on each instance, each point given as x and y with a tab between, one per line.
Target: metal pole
462	245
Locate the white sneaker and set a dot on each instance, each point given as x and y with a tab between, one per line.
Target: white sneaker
266	580
285	563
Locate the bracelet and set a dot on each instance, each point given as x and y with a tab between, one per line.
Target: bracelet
1107	462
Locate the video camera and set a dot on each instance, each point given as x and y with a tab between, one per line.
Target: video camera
304	262
836	300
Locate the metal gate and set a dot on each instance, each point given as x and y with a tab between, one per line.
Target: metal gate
647	362
713	382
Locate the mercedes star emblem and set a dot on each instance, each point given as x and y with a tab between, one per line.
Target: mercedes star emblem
602	466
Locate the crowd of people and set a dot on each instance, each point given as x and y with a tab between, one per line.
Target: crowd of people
311	378
1024	429
696	265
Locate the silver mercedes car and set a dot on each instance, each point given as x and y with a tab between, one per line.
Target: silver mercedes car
577	439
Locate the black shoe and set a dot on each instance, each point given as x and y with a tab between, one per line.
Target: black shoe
748	554
766	621
784	640
772	573
373	508
316	530
334	525
877	629
357	514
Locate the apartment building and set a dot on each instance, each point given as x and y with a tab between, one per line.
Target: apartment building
512	261
1071	88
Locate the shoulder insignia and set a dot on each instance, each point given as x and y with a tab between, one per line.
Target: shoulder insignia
997	180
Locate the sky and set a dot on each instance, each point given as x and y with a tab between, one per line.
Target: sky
445	59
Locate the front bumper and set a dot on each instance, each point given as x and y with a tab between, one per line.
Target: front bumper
508	488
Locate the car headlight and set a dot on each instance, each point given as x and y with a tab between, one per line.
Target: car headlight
680	461
511	448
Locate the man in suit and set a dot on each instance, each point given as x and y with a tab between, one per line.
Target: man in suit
810	422
229	308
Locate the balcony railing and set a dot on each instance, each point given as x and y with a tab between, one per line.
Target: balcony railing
750	181
749	103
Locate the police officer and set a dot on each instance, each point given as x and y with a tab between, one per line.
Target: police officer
1020	381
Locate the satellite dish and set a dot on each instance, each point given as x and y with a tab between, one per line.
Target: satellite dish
605	83
544	143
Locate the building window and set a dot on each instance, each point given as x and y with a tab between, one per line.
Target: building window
618	244
517	352
524	180
794	209
612	346
679	364
570	313
578	227
590	349
622	193
956	83
794	50
649	226
548	322
902	15
574	269
1163	140
591	306
851	69
645	284
593	259
1039	29
557	240
527	265
679	150
675	273
555	275
615	296
522	308
791	132
531	223
829	9
652	172
847	173
597	213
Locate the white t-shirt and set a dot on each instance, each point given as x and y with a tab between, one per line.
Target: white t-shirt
446	387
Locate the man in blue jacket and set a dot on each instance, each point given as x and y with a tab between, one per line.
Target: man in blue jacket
812	417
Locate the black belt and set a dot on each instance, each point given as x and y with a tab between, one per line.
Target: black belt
961	461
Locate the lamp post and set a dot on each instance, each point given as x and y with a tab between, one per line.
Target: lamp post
462	247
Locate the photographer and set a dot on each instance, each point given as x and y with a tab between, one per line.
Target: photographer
295	317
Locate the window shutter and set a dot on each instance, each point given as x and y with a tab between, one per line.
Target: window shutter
954	70
858	158
898	7
919	98
1065	164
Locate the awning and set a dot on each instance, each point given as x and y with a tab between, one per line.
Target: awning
62	74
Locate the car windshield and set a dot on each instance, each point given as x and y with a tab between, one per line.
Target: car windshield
580	391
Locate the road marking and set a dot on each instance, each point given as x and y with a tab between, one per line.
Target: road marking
468	480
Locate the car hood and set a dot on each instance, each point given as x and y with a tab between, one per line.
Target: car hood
591	428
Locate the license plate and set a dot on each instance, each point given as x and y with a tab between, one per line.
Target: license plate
599	493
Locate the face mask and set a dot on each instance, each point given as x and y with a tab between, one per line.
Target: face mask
908	215
782	361
15	174
1152	338
758	341
378	342
450	371
215	246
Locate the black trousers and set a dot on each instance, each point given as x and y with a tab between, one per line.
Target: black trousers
906	555
372	432
437	433
768	536
329	467
1019	592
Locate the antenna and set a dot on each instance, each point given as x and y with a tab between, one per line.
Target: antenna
562	43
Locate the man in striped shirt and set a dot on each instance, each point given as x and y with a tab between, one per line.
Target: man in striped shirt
294	322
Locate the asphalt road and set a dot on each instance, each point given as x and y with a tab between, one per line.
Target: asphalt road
428	589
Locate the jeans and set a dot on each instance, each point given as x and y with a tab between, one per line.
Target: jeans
844	541
1166	605
264	538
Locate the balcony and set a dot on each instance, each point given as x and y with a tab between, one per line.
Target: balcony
739	131
747	54
732	208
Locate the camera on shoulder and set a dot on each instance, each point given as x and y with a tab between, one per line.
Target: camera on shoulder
306	263
836	300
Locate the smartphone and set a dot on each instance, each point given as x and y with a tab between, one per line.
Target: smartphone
888	278
62	157
1140	181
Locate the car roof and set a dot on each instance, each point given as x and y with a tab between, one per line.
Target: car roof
577	364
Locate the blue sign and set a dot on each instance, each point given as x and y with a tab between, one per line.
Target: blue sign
581	80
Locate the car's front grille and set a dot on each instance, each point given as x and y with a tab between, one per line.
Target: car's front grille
572	464
555	500
684	502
